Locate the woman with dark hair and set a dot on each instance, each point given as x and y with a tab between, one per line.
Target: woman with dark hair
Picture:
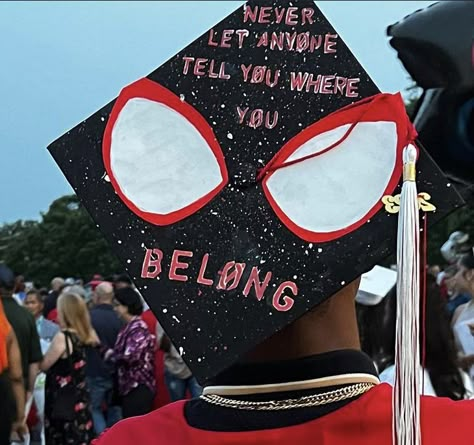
442	376
133	353
463	318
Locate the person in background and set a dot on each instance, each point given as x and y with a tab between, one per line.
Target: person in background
455	296
100	375
133	354
179	378
12	391
46	331
24	326
19	293
63	369
463	317
121	281
57	285
442	376
162	398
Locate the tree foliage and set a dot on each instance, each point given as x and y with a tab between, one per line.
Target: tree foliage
64	242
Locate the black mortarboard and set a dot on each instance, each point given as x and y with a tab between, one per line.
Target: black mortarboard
184	175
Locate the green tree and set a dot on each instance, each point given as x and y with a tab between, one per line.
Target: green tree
64	242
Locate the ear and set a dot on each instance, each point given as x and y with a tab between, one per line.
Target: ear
470	274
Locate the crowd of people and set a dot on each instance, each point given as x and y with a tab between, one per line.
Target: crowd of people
76	358
446	337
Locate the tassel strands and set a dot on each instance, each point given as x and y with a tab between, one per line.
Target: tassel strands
406	398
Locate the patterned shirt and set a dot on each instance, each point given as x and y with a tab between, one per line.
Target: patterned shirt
134	353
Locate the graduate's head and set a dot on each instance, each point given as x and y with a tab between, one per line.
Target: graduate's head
329	326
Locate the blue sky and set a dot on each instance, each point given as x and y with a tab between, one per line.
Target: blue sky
61	61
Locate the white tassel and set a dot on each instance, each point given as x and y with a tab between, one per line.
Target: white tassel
406	397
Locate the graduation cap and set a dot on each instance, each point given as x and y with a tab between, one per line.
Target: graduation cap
375	285
249	178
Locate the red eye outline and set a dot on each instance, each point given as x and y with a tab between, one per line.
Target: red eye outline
390	106
148	89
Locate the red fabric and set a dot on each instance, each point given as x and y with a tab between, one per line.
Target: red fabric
366	421
32	418
162	397
53	315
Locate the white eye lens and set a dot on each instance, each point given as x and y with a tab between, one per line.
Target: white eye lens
159	160
329	193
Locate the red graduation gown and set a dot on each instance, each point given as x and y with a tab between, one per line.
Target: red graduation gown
365	421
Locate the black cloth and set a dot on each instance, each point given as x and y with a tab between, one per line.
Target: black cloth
107	325
7	408
66	371
203	415
50	303
24	326
137	402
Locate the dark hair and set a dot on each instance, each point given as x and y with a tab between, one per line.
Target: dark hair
123	278
441	357
374	321
440	352
7	278
36	292
130	298
467	261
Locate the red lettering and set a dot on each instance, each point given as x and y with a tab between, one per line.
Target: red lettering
242	114
330	44
315	43
352	90
277	40
254	279
279	14
258	74
291	16
212	74
315	84
242	34
264	16
302	42
226	38
199	67
187	62
327	87
287	301
152	263
176	264
210	42
268	80
250	14
202	271
298	80
340	85
290	40
256	118
268	124
222	73
307	15
245	71
228	276
263	40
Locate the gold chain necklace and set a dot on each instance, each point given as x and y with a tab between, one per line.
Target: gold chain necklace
324	398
